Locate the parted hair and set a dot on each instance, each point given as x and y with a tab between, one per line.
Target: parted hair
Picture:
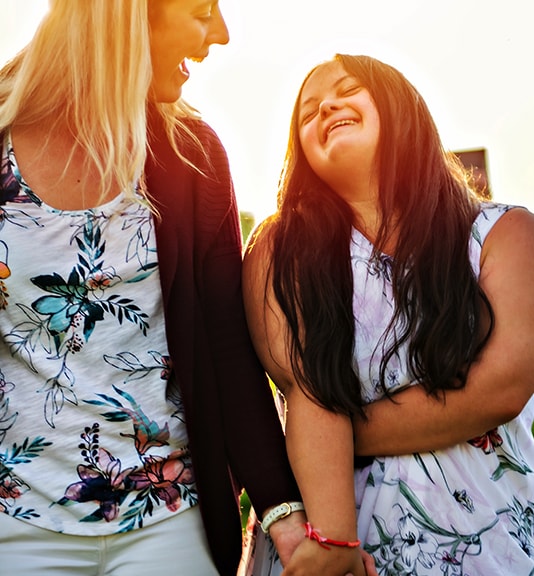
425	197
89	64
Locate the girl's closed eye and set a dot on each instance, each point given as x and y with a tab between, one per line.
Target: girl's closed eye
308	115
350	89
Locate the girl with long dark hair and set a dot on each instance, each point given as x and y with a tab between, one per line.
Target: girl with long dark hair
383	276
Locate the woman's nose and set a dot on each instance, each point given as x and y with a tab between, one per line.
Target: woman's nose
219	31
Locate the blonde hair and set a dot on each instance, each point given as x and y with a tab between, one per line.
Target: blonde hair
89	64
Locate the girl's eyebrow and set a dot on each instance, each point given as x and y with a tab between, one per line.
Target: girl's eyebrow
335	85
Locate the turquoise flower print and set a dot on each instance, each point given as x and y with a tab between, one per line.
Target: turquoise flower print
69	301
82	295
11	486
147	433
62	321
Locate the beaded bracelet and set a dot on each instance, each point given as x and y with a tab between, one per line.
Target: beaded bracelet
312	534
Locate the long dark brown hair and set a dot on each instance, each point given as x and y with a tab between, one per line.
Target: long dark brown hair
439	306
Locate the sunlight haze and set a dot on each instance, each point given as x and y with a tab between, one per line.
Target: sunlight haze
470	59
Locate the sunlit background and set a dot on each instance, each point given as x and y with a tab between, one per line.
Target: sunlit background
470	59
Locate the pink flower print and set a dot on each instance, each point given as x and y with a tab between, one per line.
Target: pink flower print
102	279
164	476
167	367
488	442
11	489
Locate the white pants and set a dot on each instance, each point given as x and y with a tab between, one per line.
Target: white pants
173	547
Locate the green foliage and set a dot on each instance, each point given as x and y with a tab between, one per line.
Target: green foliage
245	509
247	224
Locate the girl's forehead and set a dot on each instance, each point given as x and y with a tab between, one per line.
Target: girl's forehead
324	73
321	78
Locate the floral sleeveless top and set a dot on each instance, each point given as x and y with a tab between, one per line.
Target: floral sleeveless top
464	511
91	440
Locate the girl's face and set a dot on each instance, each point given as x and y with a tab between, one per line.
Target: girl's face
338	125
180	29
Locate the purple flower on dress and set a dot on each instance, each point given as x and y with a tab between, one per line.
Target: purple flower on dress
105	485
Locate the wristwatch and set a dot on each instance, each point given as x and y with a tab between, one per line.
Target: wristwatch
279	512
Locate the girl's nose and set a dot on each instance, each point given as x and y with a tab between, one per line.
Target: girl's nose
327	106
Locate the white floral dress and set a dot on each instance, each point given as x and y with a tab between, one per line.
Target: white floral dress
464	511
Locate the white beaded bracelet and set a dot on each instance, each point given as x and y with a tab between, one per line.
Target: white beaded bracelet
279	512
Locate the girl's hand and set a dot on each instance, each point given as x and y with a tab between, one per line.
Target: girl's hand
310	559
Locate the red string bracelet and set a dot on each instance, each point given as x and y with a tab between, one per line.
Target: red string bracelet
312	534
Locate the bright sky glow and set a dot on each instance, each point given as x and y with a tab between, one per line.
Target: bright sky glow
470	59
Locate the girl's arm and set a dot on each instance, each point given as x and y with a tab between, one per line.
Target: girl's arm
501	380
319	443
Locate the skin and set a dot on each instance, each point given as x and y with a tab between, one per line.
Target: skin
499	383
181	29
339	129
319	443
343	155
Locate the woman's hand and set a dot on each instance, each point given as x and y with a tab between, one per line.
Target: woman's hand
287	534
311	559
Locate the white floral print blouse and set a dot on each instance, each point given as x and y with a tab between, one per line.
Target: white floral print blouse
91	441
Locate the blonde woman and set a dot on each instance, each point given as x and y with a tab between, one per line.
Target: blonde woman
130	395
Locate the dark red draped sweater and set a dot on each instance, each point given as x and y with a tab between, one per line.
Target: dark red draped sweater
235	436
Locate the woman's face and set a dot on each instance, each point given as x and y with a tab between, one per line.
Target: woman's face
338	125
180	29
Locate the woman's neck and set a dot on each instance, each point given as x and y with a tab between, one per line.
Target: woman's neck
56	168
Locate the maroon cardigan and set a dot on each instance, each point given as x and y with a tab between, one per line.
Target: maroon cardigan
230	413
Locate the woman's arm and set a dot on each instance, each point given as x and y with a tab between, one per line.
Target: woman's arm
501	380
319	443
